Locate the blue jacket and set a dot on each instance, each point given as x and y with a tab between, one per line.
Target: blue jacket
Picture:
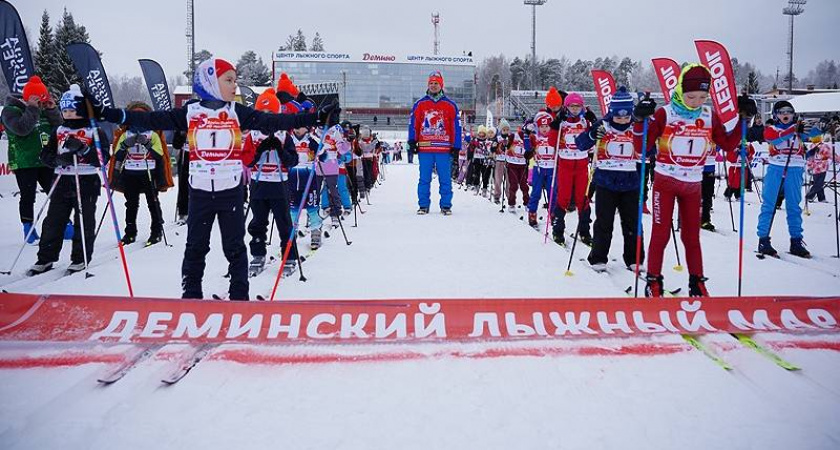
613	180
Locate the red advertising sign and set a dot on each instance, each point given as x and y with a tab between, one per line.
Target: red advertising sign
724	92
668	73
605	87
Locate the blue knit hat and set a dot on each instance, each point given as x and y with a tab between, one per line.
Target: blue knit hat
621	104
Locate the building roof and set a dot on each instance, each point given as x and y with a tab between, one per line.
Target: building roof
817	103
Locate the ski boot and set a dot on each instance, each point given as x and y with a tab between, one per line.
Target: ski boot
155	237
256	266
765	248
182	220
512	209
128	239
497	201
69	231
334	221
697	286
347	211
559	239
75	267
708	226
654	288
289	268
422	211
38	268
585	238
484	192
315	239
797	248
32	238
532	219
446	211
599	267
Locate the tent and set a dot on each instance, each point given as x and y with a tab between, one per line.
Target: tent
817	103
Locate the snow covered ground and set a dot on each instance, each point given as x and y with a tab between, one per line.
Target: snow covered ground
627	393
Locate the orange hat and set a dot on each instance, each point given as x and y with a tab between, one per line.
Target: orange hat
553	99
35	87
284	84
267	101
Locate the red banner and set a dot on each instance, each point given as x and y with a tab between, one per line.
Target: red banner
724	91
25	317
605	87
668	73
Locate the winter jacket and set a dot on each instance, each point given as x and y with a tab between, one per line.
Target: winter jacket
54	155
613	180
434	125
819	160
28	129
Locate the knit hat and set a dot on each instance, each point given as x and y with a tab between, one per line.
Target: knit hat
542	119
206	78
481	130
503	123
621	104
553	99
35	87
436	76
267	101
138	105
72	99
696	78
573	99
491	132
284	84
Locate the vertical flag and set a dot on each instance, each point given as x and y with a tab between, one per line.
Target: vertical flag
724	93
249	97
668	73
605	88
156	83
15	57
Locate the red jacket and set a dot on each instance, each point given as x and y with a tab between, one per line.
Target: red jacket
434	126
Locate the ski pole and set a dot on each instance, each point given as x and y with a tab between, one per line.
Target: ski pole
504	189
572	255
729	198
743	194
110	196
678	267
270	230
551	196
297	222
641	202
834	169
35	224
81	211
102	219
157	201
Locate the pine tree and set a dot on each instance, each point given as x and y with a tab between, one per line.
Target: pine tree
317	43
300	42
45	57
67	32
252	71
199	57
751	86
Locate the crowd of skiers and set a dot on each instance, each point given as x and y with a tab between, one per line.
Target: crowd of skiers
572	161
283	158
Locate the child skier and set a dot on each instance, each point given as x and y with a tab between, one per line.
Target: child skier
480	165
72	153
335	149
271	156
616	180
140	165
684	131
369	146
214	125
819	164
517	155
299	175
572	173
543	144
784	174
500	153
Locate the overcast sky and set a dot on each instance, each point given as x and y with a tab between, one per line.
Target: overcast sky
753	30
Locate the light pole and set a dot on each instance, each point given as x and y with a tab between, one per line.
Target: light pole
533	4
794	8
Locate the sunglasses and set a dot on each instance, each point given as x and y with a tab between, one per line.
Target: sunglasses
785	111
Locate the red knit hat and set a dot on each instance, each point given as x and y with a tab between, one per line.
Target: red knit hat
696	78
436	76
553	99
35	87
267	101
284	84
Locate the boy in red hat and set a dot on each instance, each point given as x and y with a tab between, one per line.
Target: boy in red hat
29	120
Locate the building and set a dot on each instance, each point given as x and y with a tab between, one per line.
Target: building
380	84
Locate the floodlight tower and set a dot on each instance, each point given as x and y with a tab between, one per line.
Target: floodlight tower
533	4
190	32
794	8
436	23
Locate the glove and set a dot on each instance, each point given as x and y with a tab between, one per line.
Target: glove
598	133
412	146
96	106
806	128
645	108
73	145
746	107
64	160
269	143
328	113
590	116
130	140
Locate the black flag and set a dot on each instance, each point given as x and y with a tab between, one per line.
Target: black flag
14	49
156	82
249	98
89	68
